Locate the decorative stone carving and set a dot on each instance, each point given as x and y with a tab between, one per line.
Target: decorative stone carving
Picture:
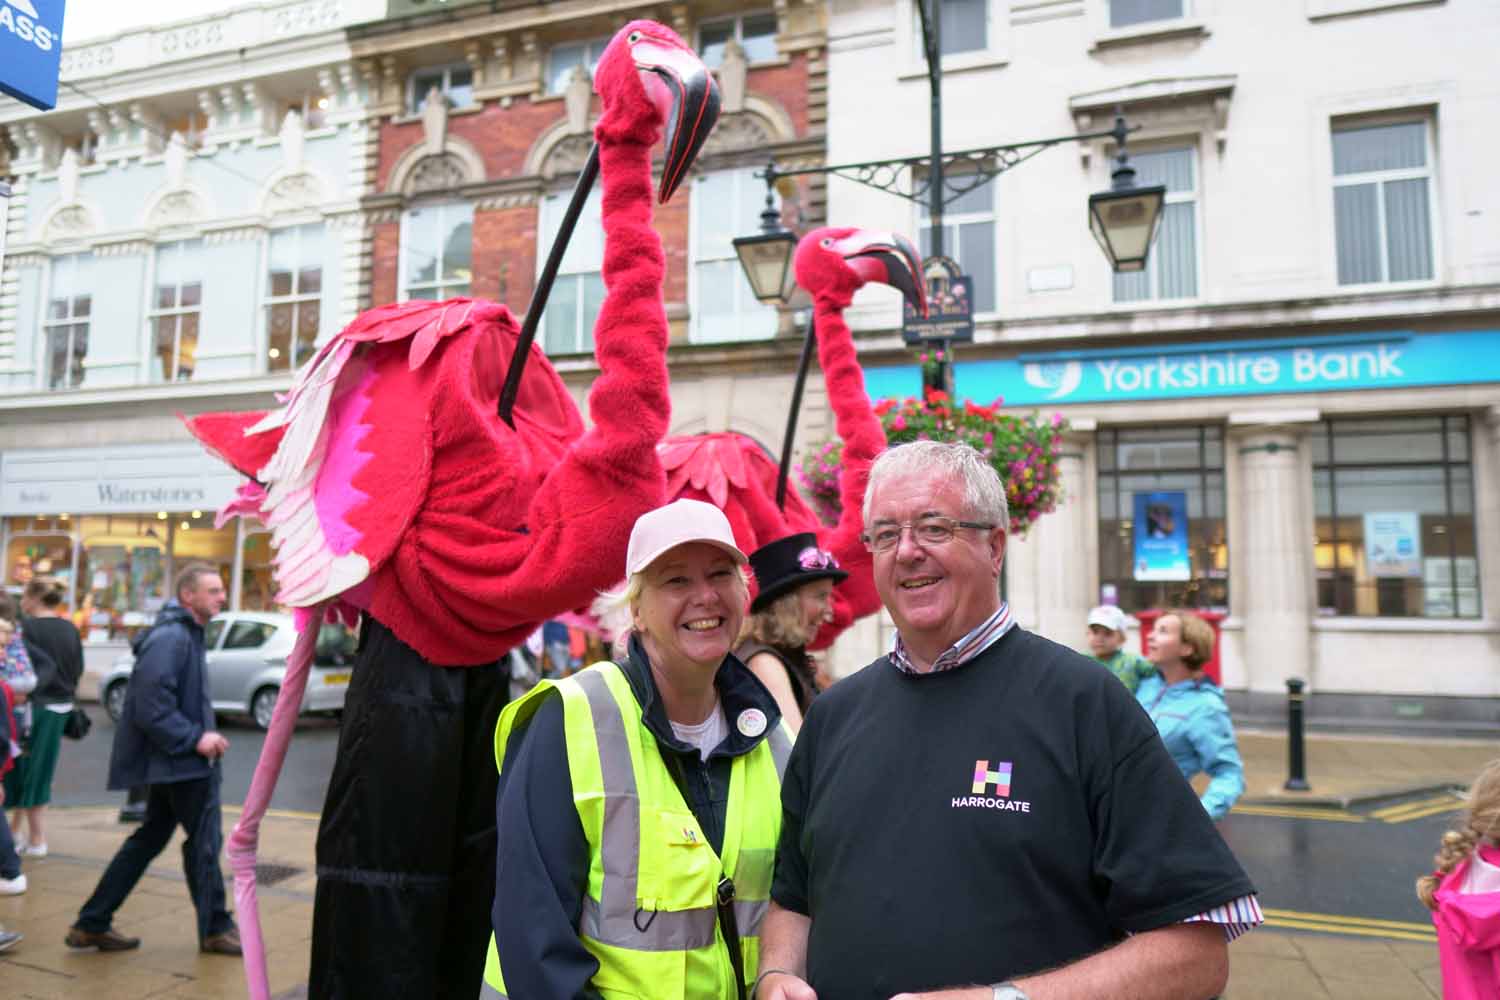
86	61
302	18
69	222
732	74
37	146
191	38
175	160
435	119
67	176
441	172
576	98
737	133
175	209
295	193
293	141
151	127
568	156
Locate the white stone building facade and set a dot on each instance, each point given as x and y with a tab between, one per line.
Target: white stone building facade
184	229
1311	359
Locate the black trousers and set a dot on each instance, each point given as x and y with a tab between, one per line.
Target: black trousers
194	805
406	844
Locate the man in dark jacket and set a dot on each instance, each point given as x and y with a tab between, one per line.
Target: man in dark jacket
166	740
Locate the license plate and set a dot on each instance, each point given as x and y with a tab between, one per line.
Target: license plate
332	679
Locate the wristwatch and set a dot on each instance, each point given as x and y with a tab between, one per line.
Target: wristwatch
1008	991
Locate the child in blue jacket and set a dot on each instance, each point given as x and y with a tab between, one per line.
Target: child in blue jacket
1189	709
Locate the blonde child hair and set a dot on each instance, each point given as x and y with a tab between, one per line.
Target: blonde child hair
1481	824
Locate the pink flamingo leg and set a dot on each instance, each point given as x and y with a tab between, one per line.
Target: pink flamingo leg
245	839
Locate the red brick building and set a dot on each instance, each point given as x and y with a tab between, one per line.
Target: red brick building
481	120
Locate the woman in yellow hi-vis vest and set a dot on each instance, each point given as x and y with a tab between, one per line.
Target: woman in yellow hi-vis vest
640	801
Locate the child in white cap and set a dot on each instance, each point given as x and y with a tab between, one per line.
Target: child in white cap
1107	645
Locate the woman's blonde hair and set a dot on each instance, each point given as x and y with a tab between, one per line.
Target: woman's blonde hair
1481	824
615	609
780	623
1196	633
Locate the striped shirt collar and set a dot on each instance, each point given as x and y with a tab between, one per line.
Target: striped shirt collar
986	635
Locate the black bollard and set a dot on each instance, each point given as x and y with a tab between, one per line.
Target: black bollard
1296	779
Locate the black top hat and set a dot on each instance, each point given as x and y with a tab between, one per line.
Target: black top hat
788	563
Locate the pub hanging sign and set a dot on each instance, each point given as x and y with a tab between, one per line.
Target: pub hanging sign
950	305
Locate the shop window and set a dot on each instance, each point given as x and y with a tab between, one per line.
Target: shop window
563	59
122	571
437	251
257	582
66	328
176	310
1128	13
969	239
573	309
455	83
1395	518
756	34
1382	177
1172	266
38	546
1184	466
294	287
726	204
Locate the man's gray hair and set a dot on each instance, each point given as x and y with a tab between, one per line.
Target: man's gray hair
984	493
188	576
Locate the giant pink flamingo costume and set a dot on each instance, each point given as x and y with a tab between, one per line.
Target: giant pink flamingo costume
734	473
393	489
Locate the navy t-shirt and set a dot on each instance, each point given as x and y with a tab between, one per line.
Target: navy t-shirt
972	826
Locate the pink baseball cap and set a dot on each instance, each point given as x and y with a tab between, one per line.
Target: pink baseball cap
677	523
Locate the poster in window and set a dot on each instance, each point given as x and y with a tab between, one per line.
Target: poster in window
1161	537
1393	545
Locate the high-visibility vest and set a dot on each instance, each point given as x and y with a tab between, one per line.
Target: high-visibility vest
649	912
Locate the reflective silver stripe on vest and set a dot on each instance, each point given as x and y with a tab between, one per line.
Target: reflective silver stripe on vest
488	992
748	913
614	919
781	749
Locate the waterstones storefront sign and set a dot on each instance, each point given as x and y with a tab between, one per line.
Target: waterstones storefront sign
1258	367
122	480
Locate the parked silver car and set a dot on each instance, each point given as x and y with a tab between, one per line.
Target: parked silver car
247	653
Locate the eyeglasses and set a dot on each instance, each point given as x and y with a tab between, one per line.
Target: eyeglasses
935	530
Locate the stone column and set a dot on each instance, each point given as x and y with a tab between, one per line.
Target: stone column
1065	544
1486	450
1276	554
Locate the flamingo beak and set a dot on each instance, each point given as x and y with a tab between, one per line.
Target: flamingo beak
889	259
685	92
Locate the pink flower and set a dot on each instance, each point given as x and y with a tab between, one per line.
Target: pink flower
989	437
899	423
1057	419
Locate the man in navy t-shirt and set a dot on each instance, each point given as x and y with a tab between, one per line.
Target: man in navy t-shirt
984	814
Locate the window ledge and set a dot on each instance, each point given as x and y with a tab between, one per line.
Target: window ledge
415	117
1148	305
1471	626
1153	31
1390	286
963	62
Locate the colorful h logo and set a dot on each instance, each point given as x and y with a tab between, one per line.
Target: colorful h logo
999	777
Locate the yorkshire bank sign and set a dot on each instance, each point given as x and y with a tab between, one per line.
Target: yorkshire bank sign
1241	368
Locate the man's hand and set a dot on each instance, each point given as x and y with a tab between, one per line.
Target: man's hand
212	745
962	993
784	986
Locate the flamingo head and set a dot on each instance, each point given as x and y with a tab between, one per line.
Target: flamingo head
841	257
649	76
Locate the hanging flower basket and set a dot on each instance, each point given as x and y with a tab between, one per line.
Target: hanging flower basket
1023	450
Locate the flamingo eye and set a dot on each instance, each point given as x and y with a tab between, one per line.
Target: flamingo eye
826	241
634	37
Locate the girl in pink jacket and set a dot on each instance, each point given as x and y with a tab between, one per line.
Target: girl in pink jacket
1464	896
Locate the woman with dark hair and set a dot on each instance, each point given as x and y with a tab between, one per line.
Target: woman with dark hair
57	655
796	581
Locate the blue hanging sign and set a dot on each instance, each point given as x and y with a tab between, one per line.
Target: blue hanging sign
1161	537
30	50
1238	368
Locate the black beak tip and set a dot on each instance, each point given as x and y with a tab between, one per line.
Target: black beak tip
695	111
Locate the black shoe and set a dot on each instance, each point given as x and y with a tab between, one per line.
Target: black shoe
133	813
110	940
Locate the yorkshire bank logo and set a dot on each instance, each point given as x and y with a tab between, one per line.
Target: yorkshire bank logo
999	777
20	18
1060	377
985	778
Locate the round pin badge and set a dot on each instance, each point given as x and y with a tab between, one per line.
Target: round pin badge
752	722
